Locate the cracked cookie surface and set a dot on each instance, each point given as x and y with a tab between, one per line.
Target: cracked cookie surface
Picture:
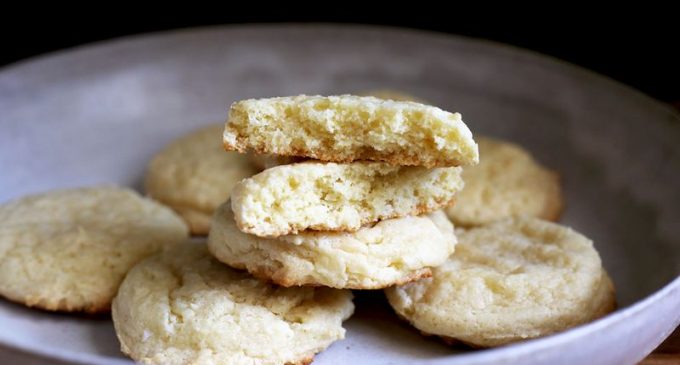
68	250
183	306
509	281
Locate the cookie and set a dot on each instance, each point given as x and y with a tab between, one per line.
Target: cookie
194	175
393	251
338	197
68	250
346	128
509	281
184	307
508	182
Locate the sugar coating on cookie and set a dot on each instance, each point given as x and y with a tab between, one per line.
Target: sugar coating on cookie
69	250
339	197
184	307
346	128
509	281
194	175
508	182
393	251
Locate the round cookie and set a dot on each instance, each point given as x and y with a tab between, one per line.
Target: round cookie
509	281
194	175
506	183
393	251
69	250
184	307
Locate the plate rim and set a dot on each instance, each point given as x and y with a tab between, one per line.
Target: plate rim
339	27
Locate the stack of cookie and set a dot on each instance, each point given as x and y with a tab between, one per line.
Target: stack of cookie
365	213
368	218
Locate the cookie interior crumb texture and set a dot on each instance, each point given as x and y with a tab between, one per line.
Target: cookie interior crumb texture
340	197
346	128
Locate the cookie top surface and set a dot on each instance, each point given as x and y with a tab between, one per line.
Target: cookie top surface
507	183
182	306
346	128
390	252
68	250
512	280
194	175
338	197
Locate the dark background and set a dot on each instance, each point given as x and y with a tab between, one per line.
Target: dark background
636	48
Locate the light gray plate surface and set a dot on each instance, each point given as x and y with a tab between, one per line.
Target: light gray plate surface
96	114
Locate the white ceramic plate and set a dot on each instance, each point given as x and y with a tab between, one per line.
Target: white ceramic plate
96	114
